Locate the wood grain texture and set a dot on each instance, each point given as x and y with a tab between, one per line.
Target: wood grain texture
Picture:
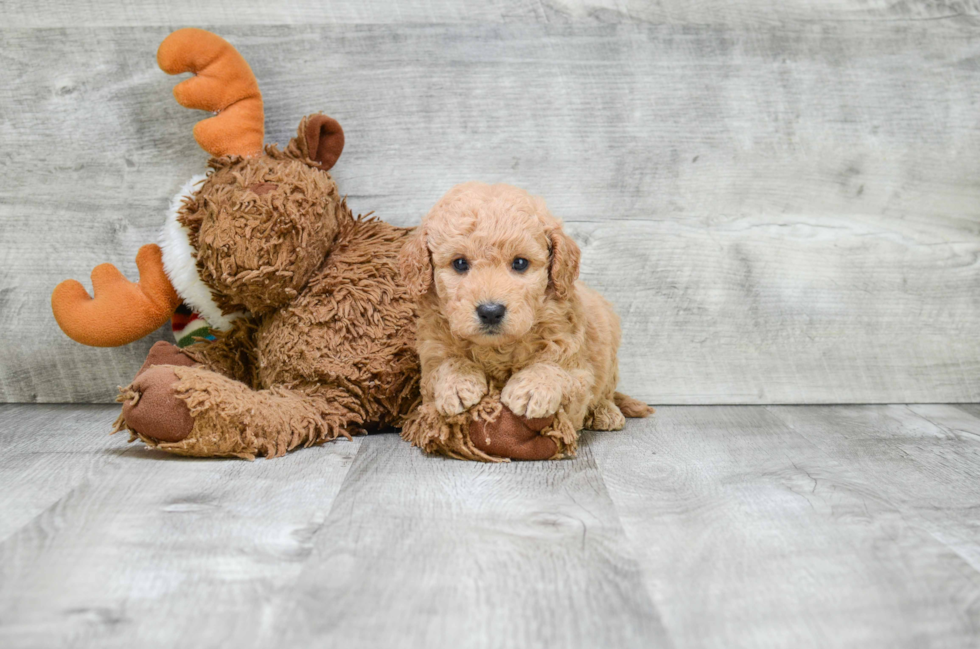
441	553
927	465
39	442
971	409
699	527
800	527
782	213
153	550
112	13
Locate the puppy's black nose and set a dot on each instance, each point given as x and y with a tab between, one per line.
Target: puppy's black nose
491	313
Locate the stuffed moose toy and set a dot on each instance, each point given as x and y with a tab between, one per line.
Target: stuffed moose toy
314	330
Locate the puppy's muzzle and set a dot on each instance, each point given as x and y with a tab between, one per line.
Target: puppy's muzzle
491	314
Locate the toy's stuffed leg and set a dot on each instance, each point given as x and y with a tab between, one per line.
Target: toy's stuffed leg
164	353
230	354
489	432
196	411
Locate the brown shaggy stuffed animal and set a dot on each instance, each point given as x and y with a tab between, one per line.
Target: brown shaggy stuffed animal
316	328
501	311
316	331
324	343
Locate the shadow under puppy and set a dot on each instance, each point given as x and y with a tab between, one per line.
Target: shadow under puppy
505	328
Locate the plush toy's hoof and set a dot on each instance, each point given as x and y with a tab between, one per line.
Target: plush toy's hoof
489	432
514	437
164	353
156	412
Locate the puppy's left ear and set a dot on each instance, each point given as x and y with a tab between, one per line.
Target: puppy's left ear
565	257
416	264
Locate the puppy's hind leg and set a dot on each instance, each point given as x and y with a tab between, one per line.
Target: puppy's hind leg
610	414
631	407
605	416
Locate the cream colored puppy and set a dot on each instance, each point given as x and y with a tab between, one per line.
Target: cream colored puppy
500	305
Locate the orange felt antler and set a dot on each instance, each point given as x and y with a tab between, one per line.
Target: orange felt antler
122	311
223	83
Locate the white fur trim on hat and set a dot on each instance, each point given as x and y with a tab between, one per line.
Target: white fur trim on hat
180	264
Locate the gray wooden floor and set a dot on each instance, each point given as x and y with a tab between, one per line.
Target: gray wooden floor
704	526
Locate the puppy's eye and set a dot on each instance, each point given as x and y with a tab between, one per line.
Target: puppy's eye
461	265
520	264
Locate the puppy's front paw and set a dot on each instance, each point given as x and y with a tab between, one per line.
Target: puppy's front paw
531	396
458	391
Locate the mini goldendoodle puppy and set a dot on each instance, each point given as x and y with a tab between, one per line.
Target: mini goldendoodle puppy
500	307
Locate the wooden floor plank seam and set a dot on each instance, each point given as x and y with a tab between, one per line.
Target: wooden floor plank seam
701	526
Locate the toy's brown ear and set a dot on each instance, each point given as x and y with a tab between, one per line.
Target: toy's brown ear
320	140
565	257
416	264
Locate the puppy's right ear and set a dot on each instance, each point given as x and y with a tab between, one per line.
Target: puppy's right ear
565	258
416	264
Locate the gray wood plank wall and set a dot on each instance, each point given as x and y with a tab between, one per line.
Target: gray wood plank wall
781	198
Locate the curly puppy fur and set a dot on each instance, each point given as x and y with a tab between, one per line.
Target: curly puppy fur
555	346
